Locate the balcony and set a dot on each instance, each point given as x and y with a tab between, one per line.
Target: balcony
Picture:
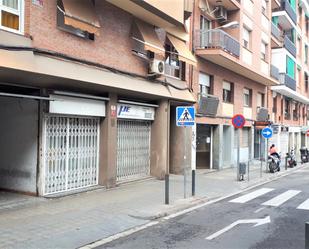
286	15
217	39
274	72
289	45
222	49
277	37
207	105
286	80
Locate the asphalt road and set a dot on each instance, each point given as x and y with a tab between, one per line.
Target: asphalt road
277	201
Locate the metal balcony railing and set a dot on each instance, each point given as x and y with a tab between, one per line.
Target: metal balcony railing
285	5
289	45
173	71
276	32
286	80
274	72
217	38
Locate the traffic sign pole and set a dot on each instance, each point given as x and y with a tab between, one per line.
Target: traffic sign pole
238	153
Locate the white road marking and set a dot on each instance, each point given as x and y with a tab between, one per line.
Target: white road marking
304	205
252	195
258	222
260	209
282	198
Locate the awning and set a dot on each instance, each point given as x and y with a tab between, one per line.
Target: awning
183	51
81	14
145	33
286	91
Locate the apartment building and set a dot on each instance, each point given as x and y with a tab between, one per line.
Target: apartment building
232	42
288	101
89	91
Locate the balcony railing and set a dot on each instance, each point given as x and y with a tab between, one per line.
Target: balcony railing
274	72
290	46
276	32
207	105
285	5
286	80
217	38
173	71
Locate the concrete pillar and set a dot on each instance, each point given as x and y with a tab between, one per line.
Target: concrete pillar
159	159
217	146
108	145
180	138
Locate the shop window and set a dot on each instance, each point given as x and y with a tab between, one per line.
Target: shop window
227	92
245	137
11	15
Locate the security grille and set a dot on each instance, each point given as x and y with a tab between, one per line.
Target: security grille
70	153
133	153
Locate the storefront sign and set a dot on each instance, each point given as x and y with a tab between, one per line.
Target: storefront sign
128	111
76	106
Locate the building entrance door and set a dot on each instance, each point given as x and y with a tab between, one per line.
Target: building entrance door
203	146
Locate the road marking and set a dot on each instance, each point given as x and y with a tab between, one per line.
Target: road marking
304	205
282	198
260	209
258	222
252	195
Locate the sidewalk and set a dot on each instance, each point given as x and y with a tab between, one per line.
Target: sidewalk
77	220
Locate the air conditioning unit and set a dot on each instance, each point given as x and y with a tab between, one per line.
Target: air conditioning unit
221	13
156	67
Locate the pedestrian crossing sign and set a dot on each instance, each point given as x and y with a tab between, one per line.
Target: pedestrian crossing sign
185	116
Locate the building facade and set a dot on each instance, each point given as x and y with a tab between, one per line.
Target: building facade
232	77
89	91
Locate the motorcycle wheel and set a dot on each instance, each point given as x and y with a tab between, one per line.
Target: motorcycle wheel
271	167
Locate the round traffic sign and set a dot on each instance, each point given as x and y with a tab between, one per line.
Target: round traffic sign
267	132
238	121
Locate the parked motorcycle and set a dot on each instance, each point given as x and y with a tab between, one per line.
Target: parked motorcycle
291	158
304	155
274	163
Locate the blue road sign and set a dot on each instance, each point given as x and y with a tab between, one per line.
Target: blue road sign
267	132
185	116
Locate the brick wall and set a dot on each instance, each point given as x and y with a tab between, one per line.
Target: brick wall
112	47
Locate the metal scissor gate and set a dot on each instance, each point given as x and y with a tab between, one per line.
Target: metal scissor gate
133	149
71	153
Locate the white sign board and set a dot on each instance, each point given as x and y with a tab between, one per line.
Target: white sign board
127	111
76	106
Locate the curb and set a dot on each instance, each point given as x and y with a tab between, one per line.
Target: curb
186	208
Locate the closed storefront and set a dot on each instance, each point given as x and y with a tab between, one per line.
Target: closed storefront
133	141
71	144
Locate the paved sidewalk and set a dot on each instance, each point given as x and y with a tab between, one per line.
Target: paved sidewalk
77	220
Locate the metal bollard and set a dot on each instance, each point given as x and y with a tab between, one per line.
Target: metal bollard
193	182
307	236
167	195
286	162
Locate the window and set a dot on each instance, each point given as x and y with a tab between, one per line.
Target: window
246	38
173	66
299	16
275	104
306	82
227	92
264	7
298	46
11	15
260	100
306	54
263	50
290	67
287	109
205	83
298	76
205	24
247	97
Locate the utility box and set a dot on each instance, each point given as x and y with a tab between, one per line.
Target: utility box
242	171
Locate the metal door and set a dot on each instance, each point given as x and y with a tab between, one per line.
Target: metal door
71	153
133	149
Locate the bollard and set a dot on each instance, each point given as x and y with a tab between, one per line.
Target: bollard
307	236
286	162
193	182
167	196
